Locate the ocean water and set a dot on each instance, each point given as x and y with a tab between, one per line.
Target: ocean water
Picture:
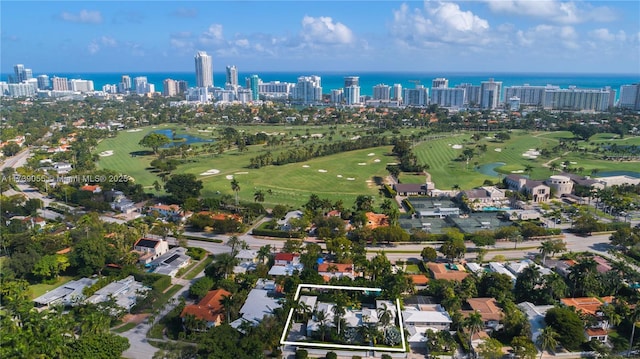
335	80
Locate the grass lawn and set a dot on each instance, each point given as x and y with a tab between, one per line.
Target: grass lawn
198	268
164	297
125	327
40	289
412	269
346	175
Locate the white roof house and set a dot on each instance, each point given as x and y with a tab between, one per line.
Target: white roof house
475	267
422	317
170	262
517	267
125	292
66	294
500	268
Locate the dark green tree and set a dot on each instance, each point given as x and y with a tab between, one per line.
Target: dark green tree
183	186
154	141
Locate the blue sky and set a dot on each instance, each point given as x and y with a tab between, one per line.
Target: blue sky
462	36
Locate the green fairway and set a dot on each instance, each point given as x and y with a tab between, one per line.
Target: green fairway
346	175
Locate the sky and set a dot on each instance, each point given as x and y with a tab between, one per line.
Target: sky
548	36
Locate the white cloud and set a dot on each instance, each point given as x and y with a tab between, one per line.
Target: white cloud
105	41
604	35
84	16
438	24
561	12
213	35
242	43
323	30
549	37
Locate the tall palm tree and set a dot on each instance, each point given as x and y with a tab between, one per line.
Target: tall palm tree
235	186
227	302
321	318
547	340
528	169
474	324
384	314
264	252
546	248
338	311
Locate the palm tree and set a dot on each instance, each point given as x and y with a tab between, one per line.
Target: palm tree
474	324
546	248
235	186
227	302
264	252
553	167
225	263
609	312
384	314
258	196
338	311
547	340
528	169
321	318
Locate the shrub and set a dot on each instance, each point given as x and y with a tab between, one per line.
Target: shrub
302	354
331	355
196	253
386	356
356	357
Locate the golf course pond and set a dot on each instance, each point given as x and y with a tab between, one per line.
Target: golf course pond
178	140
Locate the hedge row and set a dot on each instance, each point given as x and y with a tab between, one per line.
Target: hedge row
391	193
409	206
276	233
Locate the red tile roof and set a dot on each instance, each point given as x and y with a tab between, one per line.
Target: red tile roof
418	279
288	257
209	308
587	305
487	307
90	188
339	267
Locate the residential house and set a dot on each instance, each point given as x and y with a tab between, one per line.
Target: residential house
419	318
535	315
330	270
420	281
125	292
375	220
67	294
171	212
209	309
286	264
284	224
591	307
62	168
247	259
95	189
538	191
447	271
171	262
488	309
150	249
501	269
517	267
261	301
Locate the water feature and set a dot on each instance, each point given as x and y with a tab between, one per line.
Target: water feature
617	173
489	168
178	140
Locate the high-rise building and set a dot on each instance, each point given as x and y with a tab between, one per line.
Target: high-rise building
308	89
418	96
60	84
275	89
575	99
471	94
22	89
232	77
336	96
490	93
18	73
448	97
169	88
142	86
352	90
204	70
253	84
439	82
182	86
382	92
43	82
125	82
80	85
396	92
528	95
630	97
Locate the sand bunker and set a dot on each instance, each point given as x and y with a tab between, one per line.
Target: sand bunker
322	171
457	147
210	172
362	164
241	173
518	171
573	163
305	166
355	138
106	153
229	177
339	176
376	160
351	179
531	153
498	150
371	154
135	130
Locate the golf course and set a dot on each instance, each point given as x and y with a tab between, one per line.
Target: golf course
349	174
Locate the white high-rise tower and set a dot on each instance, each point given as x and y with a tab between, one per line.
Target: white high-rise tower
204	70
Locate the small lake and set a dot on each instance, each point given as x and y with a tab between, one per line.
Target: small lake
617	173
489	169
181	139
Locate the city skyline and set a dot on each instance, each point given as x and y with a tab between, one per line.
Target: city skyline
478	36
